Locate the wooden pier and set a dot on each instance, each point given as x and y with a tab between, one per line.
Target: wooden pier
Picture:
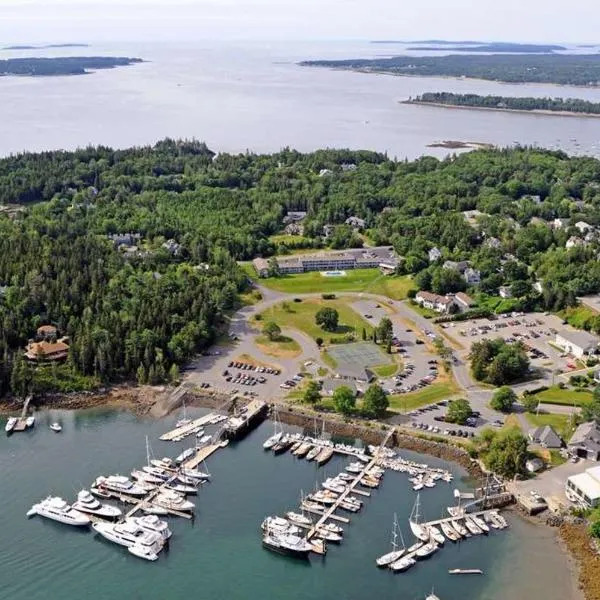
201	455
480	513
189	429
329	513
21	424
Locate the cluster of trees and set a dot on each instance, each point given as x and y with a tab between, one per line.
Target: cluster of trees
503	399
327	318
374	402
503	451
497	362
575	105
61	65
565	69
459	411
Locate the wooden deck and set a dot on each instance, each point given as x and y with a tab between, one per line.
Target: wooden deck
201	455
187	429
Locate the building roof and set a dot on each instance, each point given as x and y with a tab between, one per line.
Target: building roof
581	339
587	483
43	349
331	384
260	264
546	436
46	329
431	297
464	299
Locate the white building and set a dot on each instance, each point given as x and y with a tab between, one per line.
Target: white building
435	302
434	254
584	488
577	343
573	241
505	292
559	223
472	276
583	226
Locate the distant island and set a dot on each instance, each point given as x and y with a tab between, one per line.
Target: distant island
45	46
558	106
564	69
494	47
64	65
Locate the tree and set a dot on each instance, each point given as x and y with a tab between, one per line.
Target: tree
507	453
530	402
319	341
364	334
503	399
591	411
497	362
174	373
459	411
272	331
344	400
312	393
385	330
521	288
375	402
327	318
273	268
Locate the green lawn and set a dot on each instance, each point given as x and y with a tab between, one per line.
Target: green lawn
284	347
425	312
357	280
301	316
291	240
428	395
562	424
556	395
385	370
578	316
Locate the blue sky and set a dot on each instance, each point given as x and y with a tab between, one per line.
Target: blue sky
94	20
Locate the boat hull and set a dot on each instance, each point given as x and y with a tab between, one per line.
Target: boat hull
284	551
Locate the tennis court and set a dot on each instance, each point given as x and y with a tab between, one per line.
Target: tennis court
358	356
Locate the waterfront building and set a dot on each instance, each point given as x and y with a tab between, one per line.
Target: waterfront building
584	488
577	343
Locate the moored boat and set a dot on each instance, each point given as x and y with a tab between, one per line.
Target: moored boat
313	452
324	456
403	564
417	529
57	509
397	552
288	545
427	550
86	503
298	518
10	424
56	427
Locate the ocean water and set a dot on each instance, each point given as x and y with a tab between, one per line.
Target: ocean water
219	554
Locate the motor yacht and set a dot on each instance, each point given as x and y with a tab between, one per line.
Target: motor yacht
10	424
121	485
58	510
156	472
403	564
298	518
194	474
205	439
141	551
182	488
288	545
280	525
56	427
329	536
129	534
153	524
86	503
174	501
334	485
163	463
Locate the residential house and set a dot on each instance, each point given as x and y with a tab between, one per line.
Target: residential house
505	292
577	343
461	266
355	222
331	384
585	441
573	241
463	301
472	276
546	437
434	254
46	332
559	223
584	488
348	167
125	239
261	266
294	216
434	302
47	351
583	227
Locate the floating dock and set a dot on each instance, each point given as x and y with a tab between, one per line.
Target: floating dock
186	430
248	418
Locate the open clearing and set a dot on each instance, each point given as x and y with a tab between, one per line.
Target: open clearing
562	424
284	347
428	395
358	280
556	395
301	316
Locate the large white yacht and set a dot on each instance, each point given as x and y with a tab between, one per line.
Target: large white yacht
58	510
173	500
129	534
86	503
153	524
120	484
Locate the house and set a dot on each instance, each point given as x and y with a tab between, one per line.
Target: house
125	239
538	286
47	351
294	216
573	241
559	223
355	222
585	442
577	343
172	247
460	266
331	384
583	226
492	242
533	465
434	254
46	332
294	229
348	167
435	302
348	375
504	291
545	437
472	276
324	172
327	230
584	488
261	266
463	301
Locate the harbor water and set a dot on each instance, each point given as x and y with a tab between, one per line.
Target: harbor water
219	554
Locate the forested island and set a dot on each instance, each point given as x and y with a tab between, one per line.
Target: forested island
45	46
64	65
564	69
491	47
131	254
574	106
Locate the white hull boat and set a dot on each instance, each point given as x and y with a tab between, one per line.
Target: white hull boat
142	552
86	503
153	524
10	424
403	564
56	427
436	535
129	534
121	485
58	510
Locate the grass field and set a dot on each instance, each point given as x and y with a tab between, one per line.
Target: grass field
385	370
428	395
562	424
292	240
284	347
512	422
577	316
357	280
556	395
301	316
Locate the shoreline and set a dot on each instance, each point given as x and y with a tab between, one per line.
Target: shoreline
543	112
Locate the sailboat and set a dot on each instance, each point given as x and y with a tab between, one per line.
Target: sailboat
277	433
185	421
395	554
418	530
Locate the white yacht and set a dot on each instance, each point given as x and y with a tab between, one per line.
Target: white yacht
414	521
156	472
129	534
86	503
30	421
403	564
144	477
121	485
153	524
436	535
182	488
279	525
289	545
173	500
481	523
163	463
10	424
396	553
298	518
142	551
56	427
194	474
58	510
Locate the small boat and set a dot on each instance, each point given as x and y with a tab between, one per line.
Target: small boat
472	526
279	525
417	487
142	552
329	536
324	497
56	427
417	529
289	545
185	421
403	564
187	453
449	531
333	528
86	503
174	501
129	534
436	535
282	445
205	439
224	443
355	468
427	550
459	528
157	473
465	571
313	452
396	553
163	463
334	485
121	485
499	519
295	446
303	449
200	433
299	519
432	596
195	474
181	488
58	510
30	421
481	524
152	509
144	477
277	433
324	456
312	506
100	493
10	424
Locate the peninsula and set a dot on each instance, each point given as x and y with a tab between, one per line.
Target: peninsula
64	65
45	46
563	69
554	106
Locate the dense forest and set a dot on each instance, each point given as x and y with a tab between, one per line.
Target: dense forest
63	65
493	47
132	253
574	105
564	69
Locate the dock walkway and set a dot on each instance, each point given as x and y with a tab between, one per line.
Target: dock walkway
187	429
